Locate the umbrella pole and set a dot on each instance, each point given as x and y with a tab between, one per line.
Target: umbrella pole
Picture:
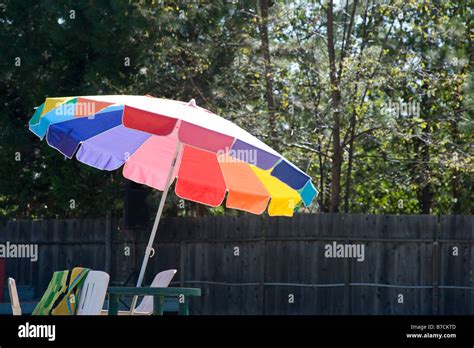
149	247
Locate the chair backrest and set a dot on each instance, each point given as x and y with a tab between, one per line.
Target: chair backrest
162	280
16	309
93	291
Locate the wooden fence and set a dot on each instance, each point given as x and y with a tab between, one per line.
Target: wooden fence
259	265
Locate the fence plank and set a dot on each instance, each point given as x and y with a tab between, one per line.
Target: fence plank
411	255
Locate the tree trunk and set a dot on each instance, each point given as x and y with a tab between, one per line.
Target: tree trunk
321	196
265	47
349	163
455	184
425	196
336	106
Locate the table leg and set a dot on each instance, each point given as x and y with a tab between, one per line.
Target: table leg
158	302
183	305
113	304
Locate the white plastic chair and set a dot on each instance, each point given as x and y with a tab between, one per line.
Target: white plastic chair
15	302
162	280
93	291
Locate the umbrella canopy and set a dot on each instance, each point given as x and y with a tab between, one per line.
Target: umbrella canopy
214	156
158	140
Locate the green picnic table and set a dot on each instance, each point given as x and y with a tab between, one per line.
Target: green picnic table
158	294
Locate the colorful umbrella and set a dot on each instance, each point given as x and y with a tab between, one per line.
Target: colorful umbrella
158	140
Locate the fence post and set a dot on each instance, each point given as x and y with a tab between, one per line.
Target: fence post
182	263
262	265
347	267
436	265
108	243
3	232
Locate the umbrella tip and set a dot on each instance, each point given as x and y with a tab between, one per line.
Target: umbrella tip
192	103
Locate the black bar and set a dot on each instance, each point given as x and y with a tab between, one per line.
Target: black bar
223	330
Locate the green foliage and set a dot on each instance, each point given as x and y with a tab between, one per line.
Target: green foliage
397	52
